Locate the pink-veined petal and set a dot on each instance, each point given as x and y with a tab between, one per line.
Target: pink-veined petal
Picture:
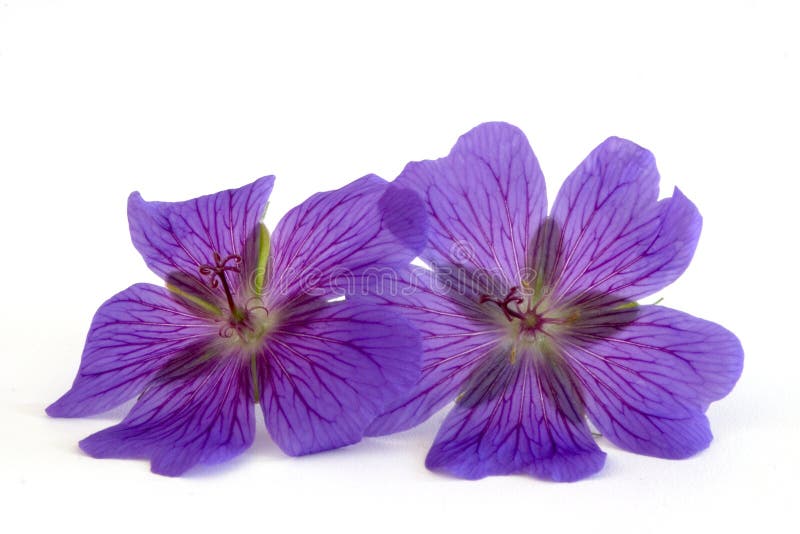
329	240
133	335
198	412
484	200
520	417
649	378
177	238
330	368
615	237
455	337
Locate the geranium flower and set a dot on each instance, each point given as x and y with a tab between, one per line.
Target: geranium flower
245	319
529	321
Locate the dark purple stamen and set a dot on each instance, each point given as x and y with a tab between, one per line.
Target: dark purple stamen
217	273
511	298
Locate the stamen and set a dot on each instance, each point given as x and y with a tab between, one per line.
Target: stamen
248	306
254	378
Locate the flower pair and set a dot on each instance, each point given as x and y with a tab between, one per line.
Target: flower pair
528	321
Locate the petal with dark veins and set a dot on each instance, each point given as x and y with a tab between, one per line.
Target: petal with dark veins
615	236
647	381
177	238
521	417
329	368
133	335
197	412
330	240
484	200
455	337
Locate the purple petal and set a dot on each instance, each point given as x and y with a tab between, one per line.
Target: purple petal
616	237
176	238
485	200
339	234
330	368
133	335
521	417
200	412
455	337
648	380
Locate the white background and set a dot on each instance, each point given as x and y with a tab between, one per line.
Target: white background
98	99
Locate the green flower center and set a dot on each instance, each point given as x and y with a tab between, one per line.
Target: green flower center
531	320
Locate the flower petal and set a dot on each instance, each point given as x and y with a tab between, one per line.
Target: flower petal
648	380
333	236
176	238
330	368
133	335
521	417
200	412
616	237
484	200
455	337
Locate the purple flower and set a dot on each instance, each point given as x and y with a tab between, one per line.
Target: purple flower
529	321
246	319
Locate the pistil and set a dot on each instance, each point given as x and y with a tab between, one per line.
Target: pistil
217	272
511	298
528	320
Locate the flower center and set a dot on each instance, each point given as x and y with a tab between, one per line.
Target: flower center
533	322
242	320
528	318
